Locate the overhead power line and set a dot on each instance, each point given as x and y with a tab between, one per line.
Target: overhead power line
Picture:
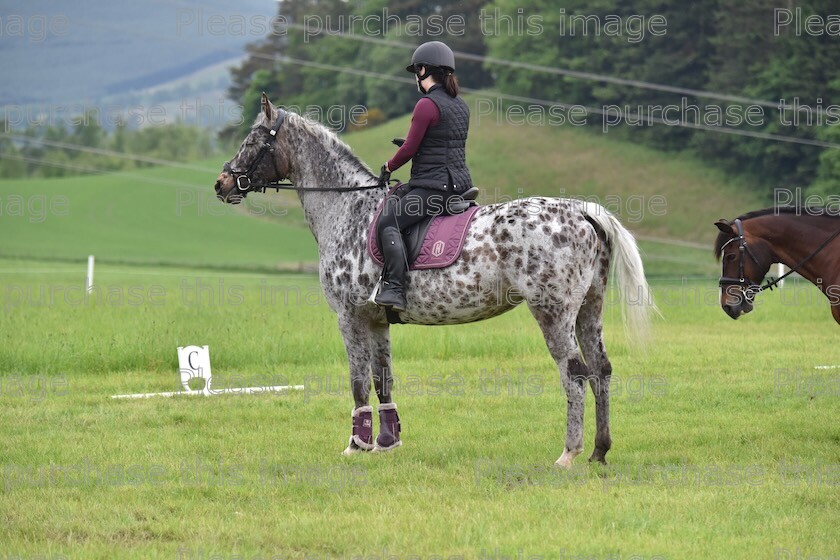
557	71
578	74
593	110
591	76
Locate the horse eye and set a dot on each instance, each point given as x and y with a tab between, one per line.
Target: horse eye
730	257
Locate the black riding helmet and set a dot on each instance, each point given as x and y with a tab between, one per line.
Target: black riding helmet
433	53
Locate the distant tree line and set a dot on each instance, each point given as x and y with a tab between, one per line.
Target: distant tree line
784	53
85	147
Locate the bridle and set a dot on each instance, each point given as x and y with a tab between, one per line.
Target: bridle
243	178
244	184
750	289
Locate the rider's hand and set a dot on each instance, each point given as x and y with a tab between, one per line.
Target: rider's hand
384	176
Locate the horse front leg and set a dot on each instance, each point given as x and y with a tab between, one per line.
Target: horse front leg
389	420
356	335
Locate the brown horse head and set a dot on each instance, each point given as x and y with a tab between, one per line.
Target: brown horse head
746	258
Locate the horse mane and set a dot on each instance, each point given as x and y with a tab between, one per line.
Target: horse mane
814	211
322	134
796	210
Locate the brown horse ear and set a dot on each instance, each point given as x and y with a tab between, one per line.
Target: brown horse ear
267	107
725	226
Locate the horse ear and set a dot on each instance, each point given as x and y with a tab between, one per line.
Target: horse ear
267	107
725	226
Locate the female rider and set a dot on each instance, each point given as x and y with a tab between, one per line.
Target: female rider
436	144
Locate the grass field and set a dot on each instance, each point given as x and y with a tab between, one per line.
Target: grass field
726	443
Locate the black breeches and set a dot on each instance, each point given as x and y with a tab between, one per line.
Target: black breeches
417	204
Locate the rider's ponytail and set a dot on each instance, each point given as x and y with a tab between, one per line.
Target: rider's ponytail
450	84
446	77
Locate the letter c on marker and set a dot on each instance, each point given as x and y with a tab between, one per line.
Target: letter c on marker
189	359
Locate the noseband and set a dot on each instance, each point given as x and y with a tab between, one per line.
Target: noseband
749	289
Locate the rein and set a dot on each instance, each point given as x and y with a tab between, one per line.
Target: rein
749	288
243	178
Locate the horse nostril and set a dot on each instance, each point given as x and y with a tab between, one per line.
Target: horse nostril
218	186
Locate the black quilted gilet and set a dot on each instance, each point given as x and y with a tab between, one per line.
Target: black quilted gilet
440	161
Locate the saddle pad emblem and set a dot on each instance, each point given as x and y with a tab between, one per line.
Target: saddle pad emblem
438	247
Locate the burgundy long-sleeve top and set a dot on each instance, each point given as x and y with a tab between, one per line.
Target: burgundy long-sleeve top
425	115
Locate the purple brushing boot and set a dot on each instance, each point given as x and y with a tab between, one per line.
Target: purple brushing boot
362	438
389	428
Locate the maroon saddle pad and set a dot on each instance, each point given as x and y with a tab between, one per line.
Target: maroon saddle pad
432	243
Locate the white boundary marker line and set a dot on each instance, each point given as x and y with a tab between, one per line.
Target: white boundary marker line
826	367
211	392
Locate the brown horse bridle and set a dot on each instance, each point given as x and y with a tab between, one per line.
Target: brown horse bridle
750	289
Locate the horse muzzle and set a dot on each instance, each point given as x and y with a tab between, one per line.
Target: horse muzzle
226	189
741	306
736	297
734	311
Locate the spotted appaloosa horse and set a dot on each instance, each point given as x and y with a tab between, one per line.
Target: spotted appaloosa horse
553	254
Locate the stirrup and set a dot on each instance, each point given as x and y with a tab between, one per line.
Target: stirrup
376	289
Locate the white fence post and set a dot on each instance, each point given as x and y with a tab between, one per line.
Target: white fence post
89	279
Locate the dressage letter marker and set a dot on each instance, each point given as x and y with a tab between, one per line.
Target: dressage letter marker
194	362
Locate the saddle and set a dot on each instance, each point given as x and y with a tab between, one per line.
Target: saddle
434	242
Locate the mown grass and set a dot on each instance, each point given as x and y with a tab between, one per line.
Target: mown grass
718	406
709	425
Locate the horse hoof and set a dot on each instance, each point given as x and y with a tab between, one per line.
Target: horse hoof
353	448
563	463
597	459
566	459
378	449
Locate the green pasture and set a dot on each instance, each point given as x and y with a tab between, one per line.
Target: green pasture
726	441
725	436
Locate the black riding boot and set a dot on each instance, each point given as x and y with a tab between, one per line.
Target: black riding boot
392	293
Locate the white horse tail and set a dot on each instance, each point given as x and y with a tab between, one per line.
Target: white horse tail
627	270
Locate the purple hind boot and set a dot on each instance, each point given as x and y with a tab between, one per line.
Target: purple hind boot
389	428
362	438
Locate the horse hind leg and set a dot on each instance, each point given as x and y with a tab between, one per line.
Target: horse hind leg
557	327
589	329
